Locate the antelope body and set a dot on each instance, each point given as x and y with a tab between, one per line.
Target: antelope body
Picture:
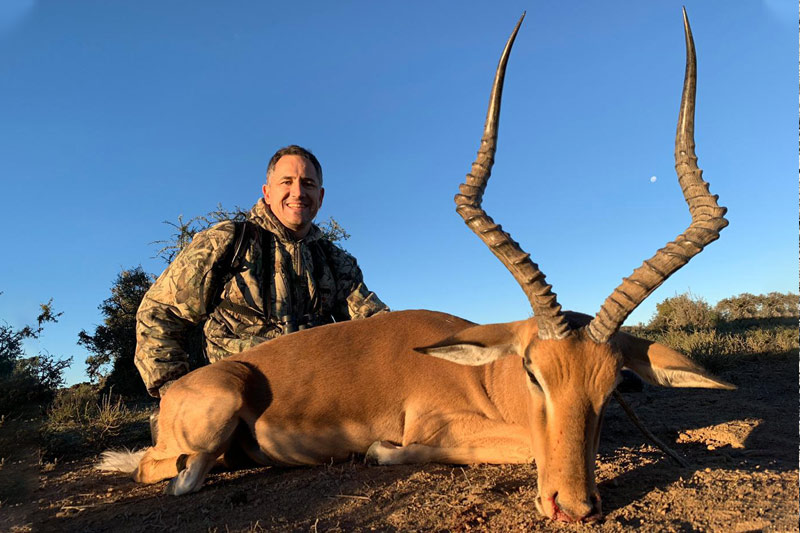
423	386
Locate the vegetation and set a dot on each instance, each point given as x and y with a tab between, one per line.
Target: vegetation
82	417
114	342
184	231
717	337
28	380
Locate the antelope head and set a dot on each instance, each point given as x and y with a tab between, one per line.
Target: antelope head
573	361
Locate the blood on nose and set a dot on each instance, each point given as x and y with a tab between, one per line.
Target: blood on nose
588	512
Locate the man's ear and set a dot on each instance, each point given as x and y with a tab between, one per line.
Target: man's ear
477	345
659	365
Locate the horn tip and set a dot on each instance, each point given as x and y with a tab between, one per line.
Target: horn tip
519	22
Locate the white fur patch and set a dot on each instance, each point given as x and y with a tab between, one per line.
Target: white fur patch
120	460
678	377
469	354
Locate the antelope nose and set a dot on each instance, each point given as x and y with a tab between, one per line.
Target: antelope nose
577	510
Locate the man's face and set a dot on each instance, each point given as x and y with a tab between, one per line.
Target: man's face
294	194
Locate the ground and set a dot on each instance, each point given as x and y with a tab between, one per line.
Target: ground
742	447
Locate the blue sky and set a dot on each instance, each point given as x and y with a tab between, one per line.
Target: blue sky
120	115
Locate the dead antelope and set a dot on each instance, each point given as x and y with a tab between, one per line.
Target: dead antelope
422	386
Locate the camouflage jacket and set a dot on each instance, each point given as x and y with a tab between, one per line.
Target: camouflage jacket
305	283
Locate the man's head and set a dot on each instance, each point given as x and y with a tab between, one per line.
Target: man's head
294	188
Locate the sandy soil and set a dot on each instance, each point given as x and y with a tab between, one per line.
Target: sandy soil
742	447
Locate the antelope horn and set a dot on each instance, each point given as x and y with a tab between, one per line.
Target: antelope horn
707	218
552	323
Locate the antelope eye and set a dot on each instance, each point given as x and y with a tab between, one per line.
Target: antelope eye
532	378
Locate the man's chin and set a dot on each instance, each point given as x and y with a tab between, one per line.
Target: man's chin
298	227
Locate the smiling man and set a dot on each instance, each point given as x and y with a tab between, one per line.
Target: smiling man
251	281
294	191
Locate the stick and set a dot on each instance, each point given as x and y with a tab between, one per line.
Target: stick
353	496
646	432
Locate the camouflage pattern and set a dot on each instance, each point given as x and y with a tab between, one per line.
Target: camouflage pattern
310	282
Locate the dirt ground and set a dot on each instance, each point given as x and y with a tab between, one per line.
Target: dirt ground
742	447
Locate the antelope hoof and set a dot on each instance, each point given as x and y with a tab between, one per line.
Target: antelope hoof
380	453
172	487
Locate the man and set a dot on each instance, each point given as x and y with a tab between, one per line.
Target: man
289	277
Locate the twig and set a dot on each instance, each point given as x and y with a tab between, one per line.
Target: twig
353	496
78	508
465	477
646	432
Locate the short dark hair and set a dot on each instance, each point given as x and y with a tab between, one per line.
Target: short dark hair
293	149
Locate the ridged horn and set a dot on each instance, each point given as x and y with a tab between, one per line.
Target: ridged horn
552	323
707	218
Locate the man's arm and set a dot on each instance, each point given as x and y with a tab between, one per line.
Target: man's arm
353	299
178	301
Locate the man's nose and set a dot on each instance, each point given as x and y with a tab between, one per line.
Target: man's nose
296	189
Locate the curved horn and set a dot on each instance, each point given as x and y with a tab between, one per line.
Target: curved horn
552	324
707	218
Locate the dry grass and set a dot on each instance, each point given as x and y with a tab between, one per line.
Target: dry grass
80	418
722	346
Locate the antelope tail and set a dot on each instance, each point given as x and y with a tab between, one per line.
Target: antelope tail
126	461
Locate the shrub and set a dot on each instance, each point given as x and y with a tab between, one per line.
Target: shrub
684	311
749	306
76	404
113	343
82	417
28	380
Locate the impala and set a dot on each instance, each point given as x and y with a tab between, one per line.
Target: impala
422	386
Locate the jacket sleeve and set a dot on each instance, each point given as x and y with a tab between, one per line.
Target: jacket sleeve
175	303
353	299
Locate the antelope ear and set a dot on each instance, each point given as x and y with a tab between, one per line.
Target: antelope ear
660	365
477	345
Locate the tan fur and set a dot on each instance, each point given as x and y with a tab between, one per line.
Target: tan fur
378	387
